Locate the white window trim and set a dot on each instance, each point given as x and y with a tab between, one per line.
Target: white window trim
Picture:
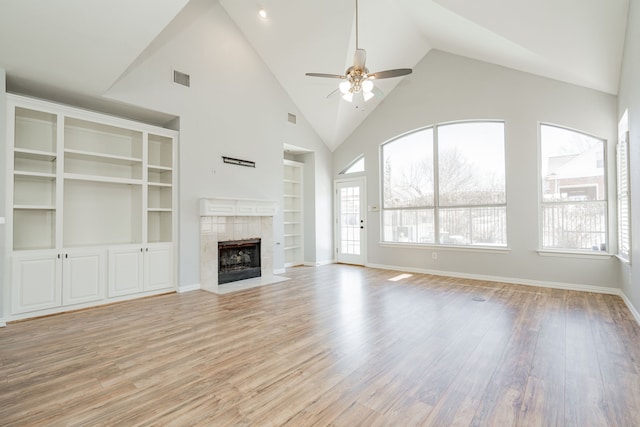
624	142
436	205
568	252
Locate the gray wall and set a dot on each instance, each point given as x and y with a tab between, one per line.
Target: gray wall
445	87
234	107
629	98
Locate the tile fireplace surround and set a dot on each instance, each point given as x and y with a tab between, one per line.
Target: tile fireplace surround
228	219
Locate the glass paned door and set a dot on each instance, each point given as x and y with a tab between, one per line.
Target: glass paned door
350	221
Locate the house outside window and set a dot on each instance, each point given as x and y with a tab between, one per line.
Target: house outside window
445	185
573	190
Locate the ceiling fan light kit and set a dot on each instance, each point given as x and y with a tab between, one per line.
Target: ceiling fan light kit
357	78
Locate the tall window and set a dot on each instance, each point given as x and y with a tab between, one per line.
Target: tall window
446	185
622	184
574	194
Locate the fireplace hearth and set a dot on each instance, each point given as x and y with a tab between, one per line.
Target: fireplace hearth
238	260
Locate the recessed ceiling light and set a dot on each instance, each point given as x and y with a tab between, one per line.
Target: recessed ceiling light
263	13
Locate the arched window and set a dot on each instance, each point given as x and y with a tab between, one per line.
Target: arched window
446	185
573	190
355	166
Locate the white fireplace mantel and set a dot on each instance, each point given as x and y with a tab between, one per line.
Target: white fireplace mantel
237	207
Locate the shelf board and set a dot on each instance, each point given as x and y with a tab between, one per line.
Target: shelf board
160	210
35	207
25	153
292	211
293	196
292	235
38	175
288	248
102	157
158	168
292	181
107	179
159	184
292	223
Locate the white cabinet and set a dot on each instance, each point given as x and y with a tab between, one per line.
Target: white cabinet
158	268
36	282
125	271
137	269
293	210
83	276
47	279
83	185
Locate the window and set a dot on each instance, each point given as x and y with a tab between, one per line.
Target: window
573	187
446	185
622	184
356	166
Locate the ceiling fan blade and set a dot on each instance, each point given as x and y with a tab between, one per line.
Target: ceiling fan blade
359	59
390	73
331	76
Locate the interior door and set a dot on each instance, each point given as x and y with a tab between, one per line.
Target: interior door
350	221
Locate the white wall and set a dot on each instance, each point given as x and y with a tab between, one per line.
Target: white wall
445	87
234	107
4	262
629	98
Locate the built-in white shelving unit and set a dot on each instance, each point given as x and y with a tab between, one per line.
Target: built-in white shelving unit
93	217
293	214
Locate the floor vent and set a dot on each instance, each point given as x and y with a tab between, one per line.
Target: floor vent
181	78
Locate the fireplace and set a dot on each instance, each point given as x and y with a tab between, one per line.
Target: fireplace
233	220
238	260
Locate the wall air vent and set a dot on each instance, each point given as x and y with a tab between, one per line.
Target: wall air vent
181	78
292	118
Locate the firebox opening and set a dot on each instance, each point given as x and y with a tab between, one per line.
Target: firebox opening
238	260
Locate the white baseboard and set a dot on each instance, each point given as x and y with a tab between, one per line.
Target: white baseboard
516	281
3	324
279	270
318	263
630	306
188	288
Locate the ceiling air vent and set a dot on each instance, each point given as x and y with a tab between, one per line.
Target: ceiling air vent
292	118
181	78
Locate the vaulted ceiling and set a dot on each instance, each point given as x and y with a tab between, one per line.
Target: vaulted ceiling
85	46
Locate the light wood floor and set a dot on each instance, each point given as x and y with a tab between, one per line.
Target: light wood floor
336	345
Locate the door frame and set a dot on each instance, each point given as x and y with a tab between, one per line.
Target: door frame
362	182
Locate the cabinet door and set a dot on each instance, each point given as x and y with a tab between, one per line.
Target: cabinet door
84	276
36	282
125	271
158	267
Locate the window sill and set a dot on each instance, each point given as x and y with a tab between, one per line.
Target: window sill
570	254
626	261
432	247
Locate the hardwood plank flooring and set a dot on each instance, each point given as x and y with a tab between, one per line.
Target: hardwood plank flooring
335	345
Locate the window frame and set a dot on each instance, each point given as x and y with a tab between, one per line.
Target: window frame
351	164
542	203
436	208
623	196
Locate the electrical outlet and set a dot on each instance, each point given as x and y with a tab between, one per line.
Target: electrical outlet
434	255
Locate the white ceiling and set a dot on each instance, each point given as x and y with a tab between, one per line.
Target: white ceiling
85	46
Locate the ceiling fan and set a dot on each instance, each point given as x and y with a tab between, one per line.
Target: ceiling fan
357	78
